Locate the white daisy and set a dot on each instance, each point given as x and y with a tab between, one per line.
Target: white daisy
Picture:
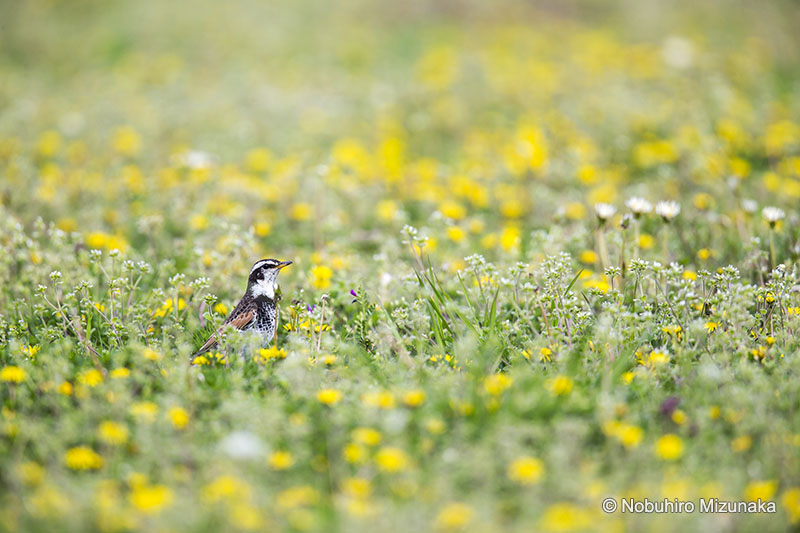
604	211
668	210
773	215
639	206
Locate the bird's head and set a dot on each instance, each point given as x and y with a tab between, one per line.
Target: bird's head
263	279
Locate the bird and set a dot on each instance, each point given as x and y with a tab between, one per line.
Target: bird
258	309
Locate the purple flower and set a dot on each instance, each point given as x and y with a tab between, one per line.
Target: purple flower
354	293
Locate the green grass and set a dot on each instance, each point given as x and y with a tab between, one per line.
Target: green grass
466	341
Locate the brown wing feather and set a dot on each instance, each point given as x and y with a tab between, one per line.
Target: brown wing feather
240	318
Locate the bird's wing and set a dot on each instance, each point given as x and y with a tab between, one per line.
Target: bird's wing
240	318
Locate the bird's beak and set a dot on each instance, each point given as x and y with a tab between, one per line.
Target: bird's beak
283	264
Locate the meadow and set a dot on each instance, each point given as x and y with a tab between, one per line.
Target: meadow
544	254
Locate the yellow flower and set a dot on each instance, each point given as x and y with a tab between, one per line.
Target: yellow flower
258	160
711	327
525	470
178	417
246	517
150	499
454	516
82	458
112	432
357	487
329	396
321	277
126	141
646	241
281	460
566	517
390	459
496	384
198	222
456	233
354	453
669	447
438	67
414	398
65	388
575	211
145	411
510	237
151	355
49	143
12	374
29	350
791	501
453	210
273	352
261	229
381	400
760	490
742	443
120	373
630	435
588	257
657	358
301	212
368	436
559	385
226	487
386	210
298	496
90	378
435	426
31	473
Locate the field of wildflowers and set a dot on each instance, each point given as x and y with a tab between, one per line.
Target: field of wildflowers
544	254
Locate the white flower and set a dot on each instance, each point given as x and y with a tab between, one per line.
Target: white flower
639	206
194	159
677	52
749	206
604	211
772	215
668	210
242	445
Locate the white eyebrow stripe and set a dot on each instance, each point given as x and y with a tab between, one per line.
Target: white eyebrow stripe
261	263
258	265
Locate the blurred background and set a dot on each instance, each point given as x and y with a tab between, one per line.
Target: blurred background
297	75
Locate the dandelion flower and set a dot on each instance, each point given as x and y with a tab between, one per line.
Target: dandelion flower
454	516
281	460
112	432
525	470
12	374
82	458
390	459
669	447
329	396
559	385
150	499
178	417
